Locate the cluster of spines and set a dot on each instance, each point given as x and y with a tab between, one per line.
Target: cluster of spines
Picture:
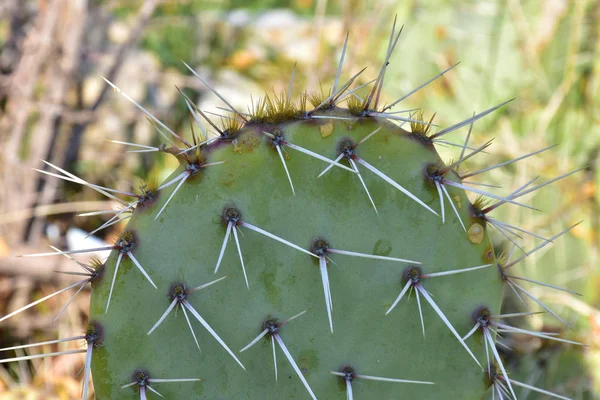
269	112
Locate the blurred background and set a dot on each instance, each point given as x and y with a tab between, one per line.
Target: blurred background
55	106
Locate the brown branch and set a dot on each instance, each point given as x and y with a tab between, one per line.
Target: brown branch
144	14
40	269
53	209
20	90
141	20
60	75
36	50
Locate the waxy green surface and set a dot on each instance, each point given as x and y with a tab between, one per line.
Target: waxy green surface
183	245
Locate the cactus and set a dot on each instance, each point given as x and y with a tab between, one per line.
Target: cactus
317	248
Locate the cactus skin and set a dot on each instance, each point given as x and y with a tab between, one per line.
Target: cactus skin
183	245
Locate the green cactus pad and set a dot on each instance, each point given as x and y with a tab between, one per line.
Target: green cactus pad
182	246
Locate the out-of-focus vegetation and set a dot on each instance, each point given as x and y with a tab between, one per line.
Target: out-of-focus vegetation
545	54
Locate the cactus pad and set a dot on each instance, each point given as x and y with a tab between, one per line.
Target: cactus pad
328	216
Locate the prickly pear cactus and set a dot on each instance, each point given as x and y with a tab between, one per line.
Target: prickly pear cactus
311	249
283	251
